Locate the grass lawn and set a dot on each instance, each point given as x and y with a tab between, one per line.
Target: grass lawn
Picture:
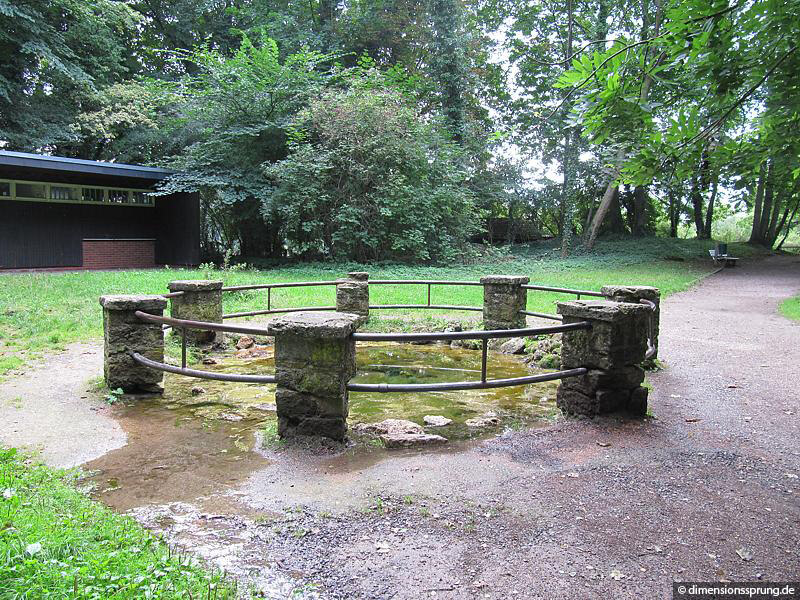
790	308
57	543
42	312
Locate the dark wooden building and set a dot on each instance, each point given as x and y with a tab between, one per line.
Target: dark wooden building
68	213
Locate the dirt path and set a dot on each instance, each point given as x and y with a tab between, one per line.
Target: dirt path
49	409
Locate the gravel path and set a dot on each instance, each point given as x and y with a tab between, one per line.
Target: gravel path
49	409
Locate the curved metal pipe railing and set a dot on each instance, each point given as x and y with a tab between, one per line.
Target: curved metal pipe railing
203	325
578	293
464	385
426	282
234	377
483	336
468	335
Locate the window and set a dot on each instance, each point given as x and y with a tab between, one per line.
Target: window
141	197
118	196
76	194
31	190
92	194
62	192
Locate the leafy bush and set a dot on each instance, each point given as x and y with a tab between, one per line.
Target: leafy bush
368	179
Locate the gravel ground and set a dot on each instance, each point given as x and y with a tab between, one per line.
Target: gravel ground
49	409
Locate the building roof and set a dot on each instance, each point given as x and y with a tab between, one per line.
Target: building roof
77	165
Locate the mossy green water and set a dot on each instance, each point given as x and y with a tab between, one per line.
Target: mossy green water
382	363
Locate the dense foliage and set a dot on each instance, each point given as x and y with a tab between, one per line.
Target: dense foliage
368	180
579	118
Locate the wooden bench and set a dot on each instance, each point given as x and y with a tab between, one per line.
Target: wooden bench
722	259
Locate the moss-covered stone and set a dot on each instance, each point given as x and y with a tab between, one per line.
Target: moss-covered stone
125	333
314	360
200	300
611	350
503	300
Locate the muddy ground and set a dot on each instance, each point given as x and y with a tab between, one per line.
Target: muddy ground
706	489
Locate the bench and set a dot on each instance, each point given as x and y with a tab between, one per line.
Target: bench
722	259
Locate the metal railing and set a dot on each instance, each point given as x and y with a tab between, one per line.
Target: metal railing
484	336
428	283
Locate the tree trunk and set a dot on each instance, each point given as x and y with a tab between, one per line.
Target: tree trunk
755	233
789	224
710	209
696	197
674	214
766	207
639	217
567	202
647	82
614	219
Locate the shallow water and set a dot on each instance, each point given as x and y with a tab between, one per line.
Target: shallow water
182	447
382	363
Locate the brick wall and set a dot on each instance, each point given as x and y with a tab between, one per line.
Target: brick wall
119	254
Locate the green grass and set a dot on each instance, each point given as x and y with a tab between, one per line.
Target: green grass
42	312
790	308
57	543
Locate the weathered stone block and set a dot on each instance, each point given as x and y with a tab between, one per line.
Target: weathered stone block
201	300
611	351
633	294
637	404
124	333
503	299
618	336
314	360
352	296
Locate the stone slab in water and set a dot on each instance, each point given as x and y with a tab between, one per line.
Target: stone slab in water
411	440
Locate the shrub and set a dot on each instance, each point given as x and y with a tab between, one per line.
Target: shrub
368	179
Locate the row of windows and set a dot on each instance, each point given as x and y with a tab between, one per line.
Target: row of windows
60	192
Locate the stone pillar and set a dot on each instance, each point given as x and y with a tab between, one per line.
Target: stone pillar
612	350
634	293
201	301
124	333
352	295
315	357
503	299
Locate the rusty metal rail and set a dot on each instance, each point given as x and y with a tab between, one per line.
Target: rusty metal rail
484	336
464	385
467	335
426	282
233	377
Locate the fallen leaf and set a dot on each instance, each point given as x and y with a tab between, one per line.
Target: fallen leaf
32	549
745	554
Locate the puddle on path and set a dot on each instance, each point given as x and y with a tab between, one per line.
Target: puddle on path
188	453
182	447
